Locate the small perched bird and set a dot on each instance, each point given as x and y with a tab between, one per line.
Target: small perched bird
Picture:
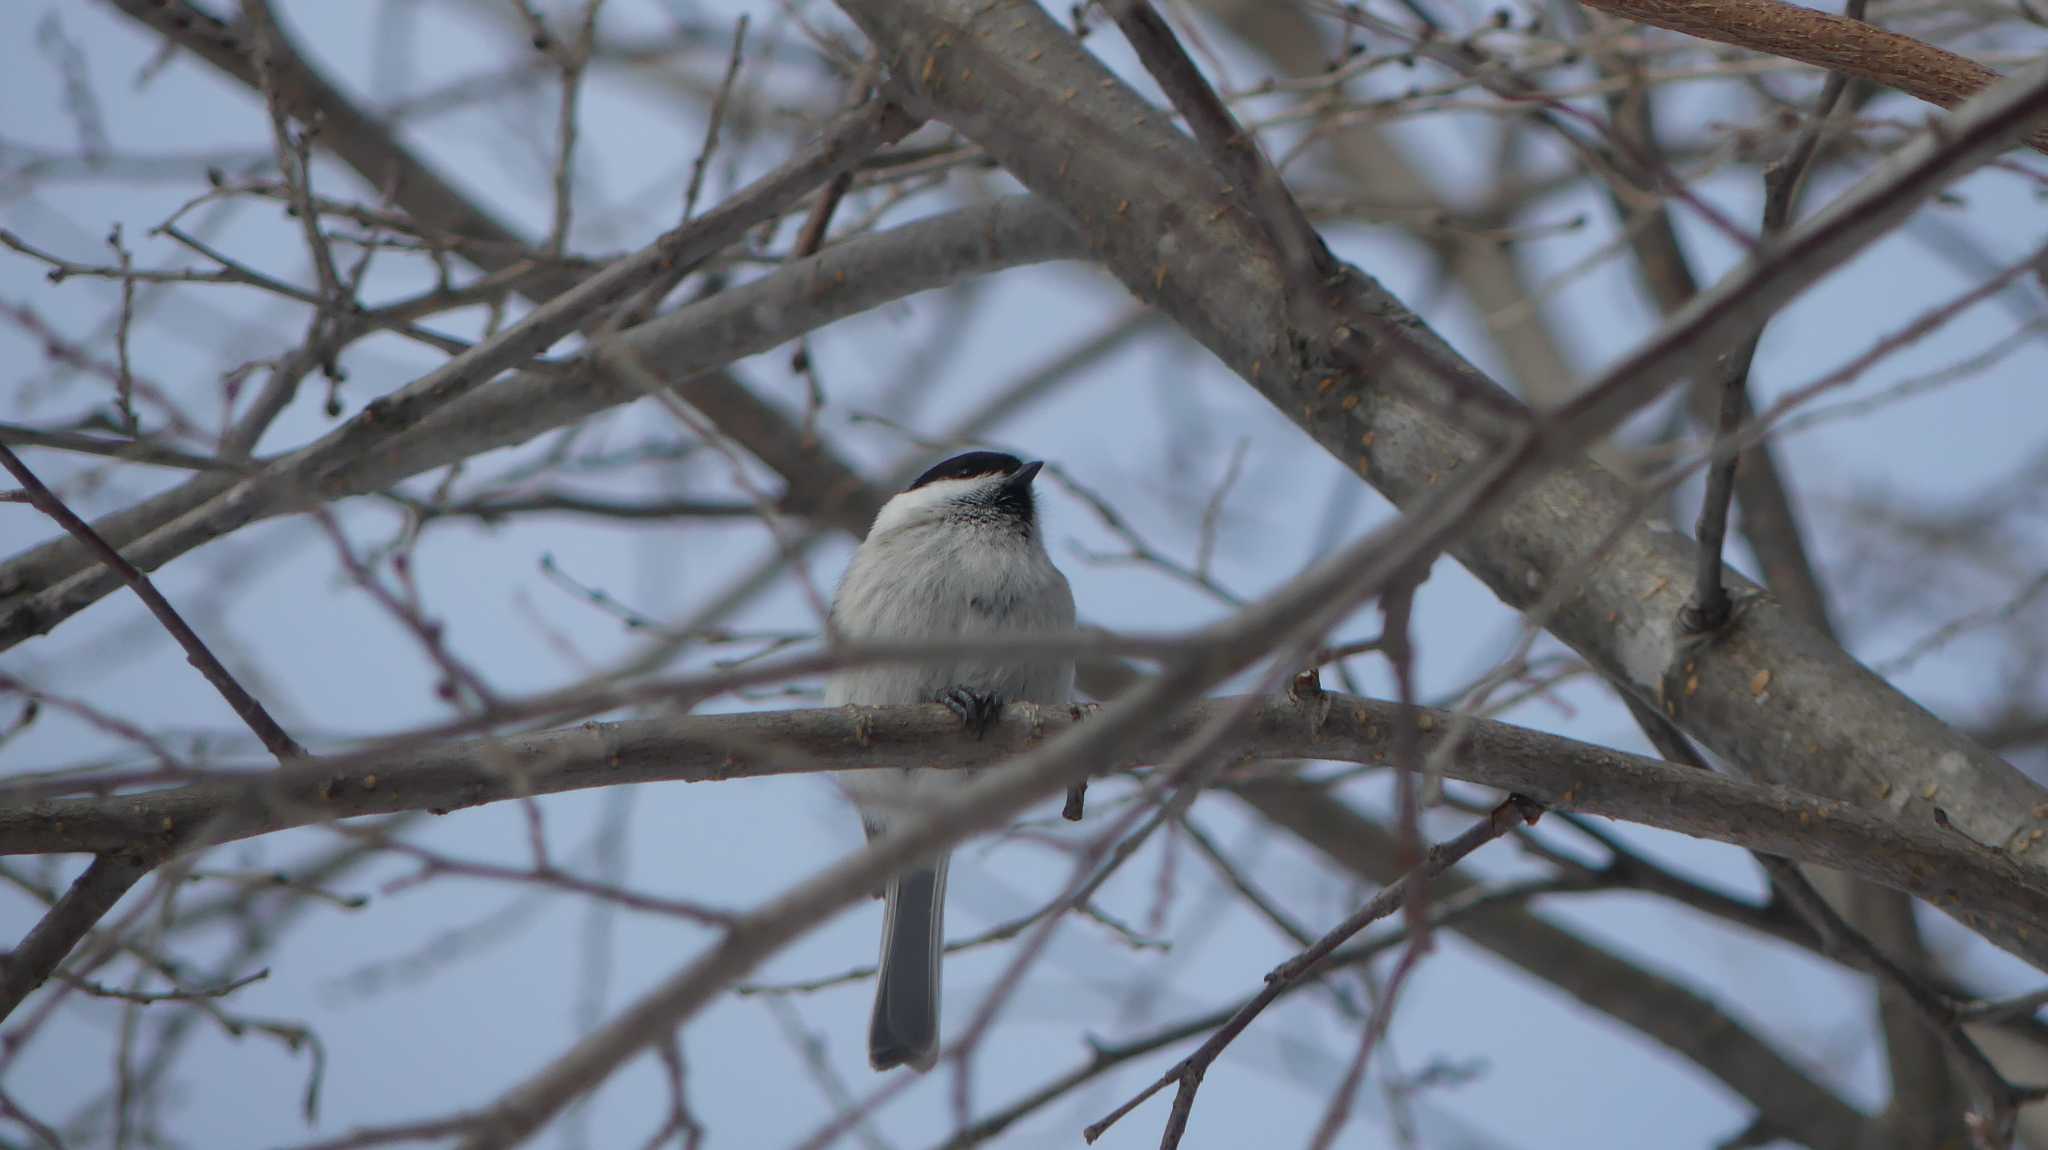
956	554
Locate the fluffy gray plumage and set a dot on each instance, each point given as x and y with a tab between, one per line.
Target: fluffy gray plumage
958	554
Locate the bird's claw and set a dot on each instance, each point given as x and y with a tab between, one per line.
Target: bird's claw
978	710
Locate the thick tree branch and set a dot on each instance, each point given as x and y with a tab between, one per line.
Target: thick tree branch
1974	883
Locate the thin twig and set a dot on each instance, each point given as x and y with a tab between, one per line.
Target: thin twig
543	874
1709	607
280	744
1106	1056
1212	512
716	120
1375	1029
1188	1072
149	998
574	60
295	169
126	450
124	382
811	237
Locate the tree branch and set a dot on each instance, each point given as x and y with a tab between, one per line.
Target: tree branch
31	963
1825	40
1980	886
1783	180
1489	273
196	651
1933	1015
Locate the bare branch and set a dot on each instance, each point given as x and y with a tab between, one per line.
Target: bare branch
1947	870
1709	608
244	704
127	450
95	892
1839	43
716	119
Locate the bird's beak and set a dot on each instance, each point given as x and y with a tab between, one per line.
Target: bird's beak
1024	475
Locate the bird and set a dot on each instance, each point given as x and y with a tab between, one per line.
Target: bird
956	554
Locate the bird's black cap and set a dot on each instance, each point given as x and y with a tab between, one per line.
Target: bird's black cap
972	465
1009	501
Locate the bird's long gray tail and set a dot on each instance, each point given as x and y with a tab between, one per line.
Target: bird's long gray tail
905	1028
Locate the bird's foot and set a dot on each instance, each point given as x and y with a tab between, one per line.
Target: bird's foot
978	710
